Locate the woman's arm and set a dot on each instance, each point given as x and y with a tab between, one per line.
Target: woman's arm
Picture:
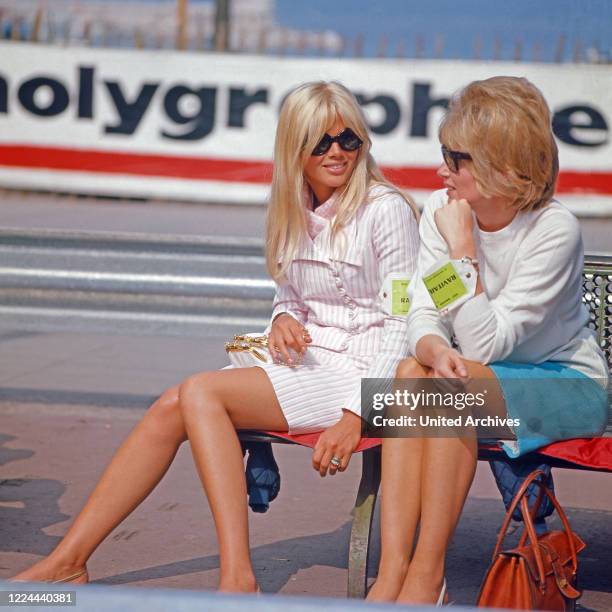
396	240
286	329
424	319
548	261
452	230
435	352
287	300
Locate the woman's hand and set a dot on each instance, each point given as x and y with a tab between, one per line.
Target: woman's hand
339	440
287	333
456	225
448	363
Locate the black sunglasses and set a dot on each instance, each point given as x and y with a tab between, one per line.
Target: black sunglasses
347	139
452	158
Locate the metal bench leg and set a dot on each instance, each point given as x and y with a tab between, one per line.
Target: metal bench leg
363	512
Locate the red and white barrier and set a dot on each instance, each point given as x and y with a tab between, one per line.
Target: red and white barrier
197	126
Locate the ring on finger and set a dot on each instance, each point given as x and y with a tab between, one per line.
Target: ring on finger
336	461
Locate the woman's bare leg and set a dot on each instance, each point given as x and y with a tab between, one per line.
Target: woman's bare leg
134	470
448	467
400	507
208	400
214	405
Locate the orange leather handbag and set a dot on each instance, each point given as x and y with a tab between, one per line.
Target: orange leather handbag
540	573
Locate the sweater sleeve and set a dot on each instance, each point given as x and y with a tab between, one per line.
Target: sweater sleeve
395	239
424	319
547	261
288	301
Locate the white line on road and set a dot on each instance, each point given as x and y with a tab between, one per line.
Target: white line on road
65	313
99	253
138	278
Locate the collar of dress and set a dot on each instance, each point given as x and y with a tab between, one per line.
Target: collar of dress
318	219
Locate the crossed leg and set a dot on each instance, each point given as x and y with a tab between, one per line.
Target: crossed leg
425	481
207	408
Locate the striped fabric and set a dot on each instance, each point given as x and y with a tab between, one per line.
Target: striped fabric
334	292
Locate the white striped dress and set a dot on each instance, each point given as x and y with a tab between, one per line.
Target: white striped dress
335	295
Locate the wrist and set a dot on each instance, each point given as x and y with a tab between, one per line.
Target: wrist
440	350
462	249
348	416
429	347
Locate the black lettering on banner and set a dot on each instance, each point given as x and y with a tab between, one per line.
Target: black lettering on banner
130	113
565	125
422	103
390	107
59	102
240	100
3	95
85	101
203	120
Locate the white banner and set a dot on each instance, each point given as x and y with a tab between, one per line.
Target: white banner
201	125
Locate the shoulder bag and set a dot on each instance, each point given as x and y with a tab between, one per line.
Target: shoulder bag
540	573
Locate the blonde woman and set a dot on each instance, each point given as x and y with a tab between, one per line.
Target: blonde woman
336	229
521	329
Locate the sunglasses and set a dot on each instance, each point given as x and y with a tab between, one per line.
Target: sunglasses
347	139
452	158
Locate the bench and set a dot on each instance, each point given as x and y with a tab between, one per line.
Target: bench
572	454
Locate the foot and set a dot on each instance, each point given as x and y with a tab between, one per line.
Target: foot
423	591
241	585
53	572
384	590
388	584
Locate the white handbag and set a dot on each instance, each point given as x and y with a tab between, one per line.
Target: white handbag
247	350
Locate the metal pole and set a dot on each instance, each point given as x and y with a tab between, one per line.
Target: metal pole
222	25
181	24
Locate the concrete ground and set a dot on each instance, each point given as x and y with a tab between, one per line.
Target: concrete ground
57	433
65	212
55	212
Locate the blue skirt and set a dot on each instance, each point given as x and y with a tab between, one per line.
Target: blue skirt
552	402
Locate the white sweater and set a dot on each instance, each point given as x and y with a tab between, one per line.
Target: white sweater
530	310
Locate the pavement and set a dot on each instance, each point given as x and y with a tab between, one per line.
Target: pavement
67	400
76	213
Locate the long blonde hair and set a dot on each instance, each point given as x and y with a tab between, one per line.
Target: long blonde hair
504	124
305	115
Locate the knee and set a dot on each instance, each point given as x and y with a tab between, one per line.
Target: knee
164	418
410	368
197	392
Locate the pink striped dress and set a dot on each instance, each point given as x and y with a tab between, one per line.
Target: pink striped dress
335	294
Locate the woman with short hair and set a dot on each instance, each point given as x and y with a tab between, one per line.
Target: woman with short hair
336	231
517	320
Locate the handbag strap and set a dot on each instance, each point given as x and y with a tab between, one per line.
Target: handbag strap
533	512
530	530
516	500
528	519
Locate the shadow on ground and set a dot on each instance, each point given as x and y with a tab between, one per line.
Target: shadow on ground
469	555
27	507
12	454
